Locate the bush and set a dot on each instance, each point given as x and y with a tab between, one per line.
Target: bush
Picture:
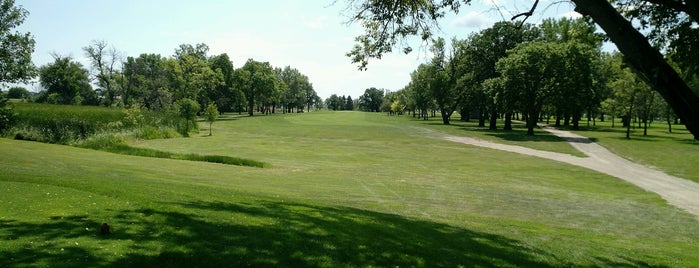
103	141
7	115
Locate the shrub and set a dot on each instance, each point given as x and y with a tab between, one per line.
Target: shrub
7	114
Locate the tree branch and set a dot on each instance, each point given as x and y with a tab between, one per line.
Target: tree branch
528	13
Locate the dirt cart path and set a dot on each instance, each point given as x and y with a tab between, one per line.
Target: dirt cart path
677	191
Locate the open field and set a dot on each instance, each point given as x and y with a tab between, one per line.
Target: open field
342	189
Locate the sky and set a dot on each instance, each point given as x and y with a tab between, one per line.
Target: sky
310	35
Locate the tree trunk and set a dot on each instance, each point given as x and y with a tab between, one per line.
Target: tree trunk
493	121
251	107
645	60
508	122
445	117
532	117
576	121
481	118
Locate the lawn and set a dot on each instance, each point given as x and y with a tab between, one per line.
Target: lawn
676	153
341	189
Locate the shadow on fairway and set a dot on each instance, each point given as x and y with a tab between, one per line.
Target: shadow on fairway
263	234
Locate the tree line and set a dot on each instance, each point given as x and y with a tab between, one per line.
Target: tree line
670	27
157	83
553	71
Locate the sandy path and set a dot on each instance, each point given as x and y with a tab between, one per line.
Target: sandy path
677	191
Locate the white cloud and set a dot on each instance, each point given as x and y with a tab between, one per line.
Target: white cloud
472	20
571	14
317	23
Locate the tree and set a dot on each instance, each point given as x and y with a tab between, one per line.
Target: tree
226	96
334	103
18	93
257	81
442	85
580	89
68	81
188	109
388	23
15	48
420	90
7	114
211	114
190	75
104	65
480	54
528	74
371	100
145	82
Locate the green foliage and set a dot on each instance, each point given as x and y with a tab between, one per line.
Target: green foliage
371	100
18	93
211	113
72	124
7	114
259	84
61	124
15	48
187	110
146	82
68	80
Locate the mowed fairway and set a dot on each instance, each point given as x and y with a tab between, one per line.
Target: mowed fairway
341	189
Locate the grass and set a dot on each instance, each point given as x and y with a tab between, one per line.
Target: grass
115	143
70	124
541	140
343	189
674	153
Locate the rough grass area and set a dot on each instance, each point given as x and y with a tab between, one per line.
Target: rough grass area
69	124
344	189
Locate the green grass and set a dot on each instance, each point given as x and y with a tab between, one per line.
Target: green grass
541	140
70	124
343	189
115	143
676	153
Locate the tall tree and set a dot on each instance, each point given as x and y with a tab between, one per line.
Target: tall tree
226	95
191	76
257	81
388	23
529	74
443	75
104	63
68	81
371	100
15	48
145	82
483	51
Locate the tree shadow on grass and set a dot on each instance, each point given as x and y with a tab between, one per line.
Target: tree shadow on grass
263	234
517	134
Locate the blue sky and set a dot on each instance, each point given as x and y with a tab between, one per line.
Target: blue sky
308	35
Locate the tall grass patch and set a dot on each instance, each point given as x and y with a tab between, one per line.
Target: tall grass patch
66	124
